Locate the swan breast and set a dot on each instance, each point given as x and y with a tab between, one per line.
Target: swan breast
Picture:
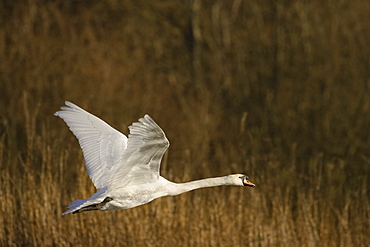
136	195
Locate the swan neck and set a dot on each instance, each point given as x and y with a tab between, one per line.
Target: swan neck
202	183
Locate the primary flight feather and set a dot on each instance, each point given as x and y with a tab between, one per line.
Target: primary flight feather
125	171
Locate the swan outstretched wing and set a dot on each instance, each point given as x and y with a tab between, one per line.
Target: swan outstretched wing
103	146
146	146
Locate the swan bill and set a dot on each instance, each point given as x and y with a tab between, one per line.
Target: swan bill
249	183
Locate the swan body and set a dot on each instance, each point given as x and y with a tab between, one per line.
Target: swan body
124	170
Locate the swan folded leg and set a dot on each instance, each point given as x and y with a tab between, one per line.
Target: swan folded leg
80	203
96	206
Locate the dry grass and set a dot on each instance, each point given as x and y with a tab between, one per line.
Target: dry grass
278	90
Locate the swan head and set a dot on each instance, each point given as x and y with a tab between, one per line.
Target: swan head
242	180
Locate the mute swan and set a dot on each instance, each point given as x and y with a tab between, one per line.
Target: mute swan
125	171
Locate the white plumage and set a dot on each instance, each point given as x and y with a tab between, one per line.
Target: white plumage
126	170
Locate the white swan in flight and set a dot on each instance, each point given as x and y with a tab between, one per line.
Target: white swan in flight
125	171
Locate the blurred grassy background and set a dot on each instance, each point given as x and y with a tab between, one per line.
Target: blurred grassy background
279	90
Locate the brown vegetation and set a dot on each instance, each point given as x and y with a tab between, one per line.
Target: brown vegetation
279	90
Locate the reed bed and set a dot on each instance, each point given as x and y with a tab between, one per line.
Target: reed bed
277	90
